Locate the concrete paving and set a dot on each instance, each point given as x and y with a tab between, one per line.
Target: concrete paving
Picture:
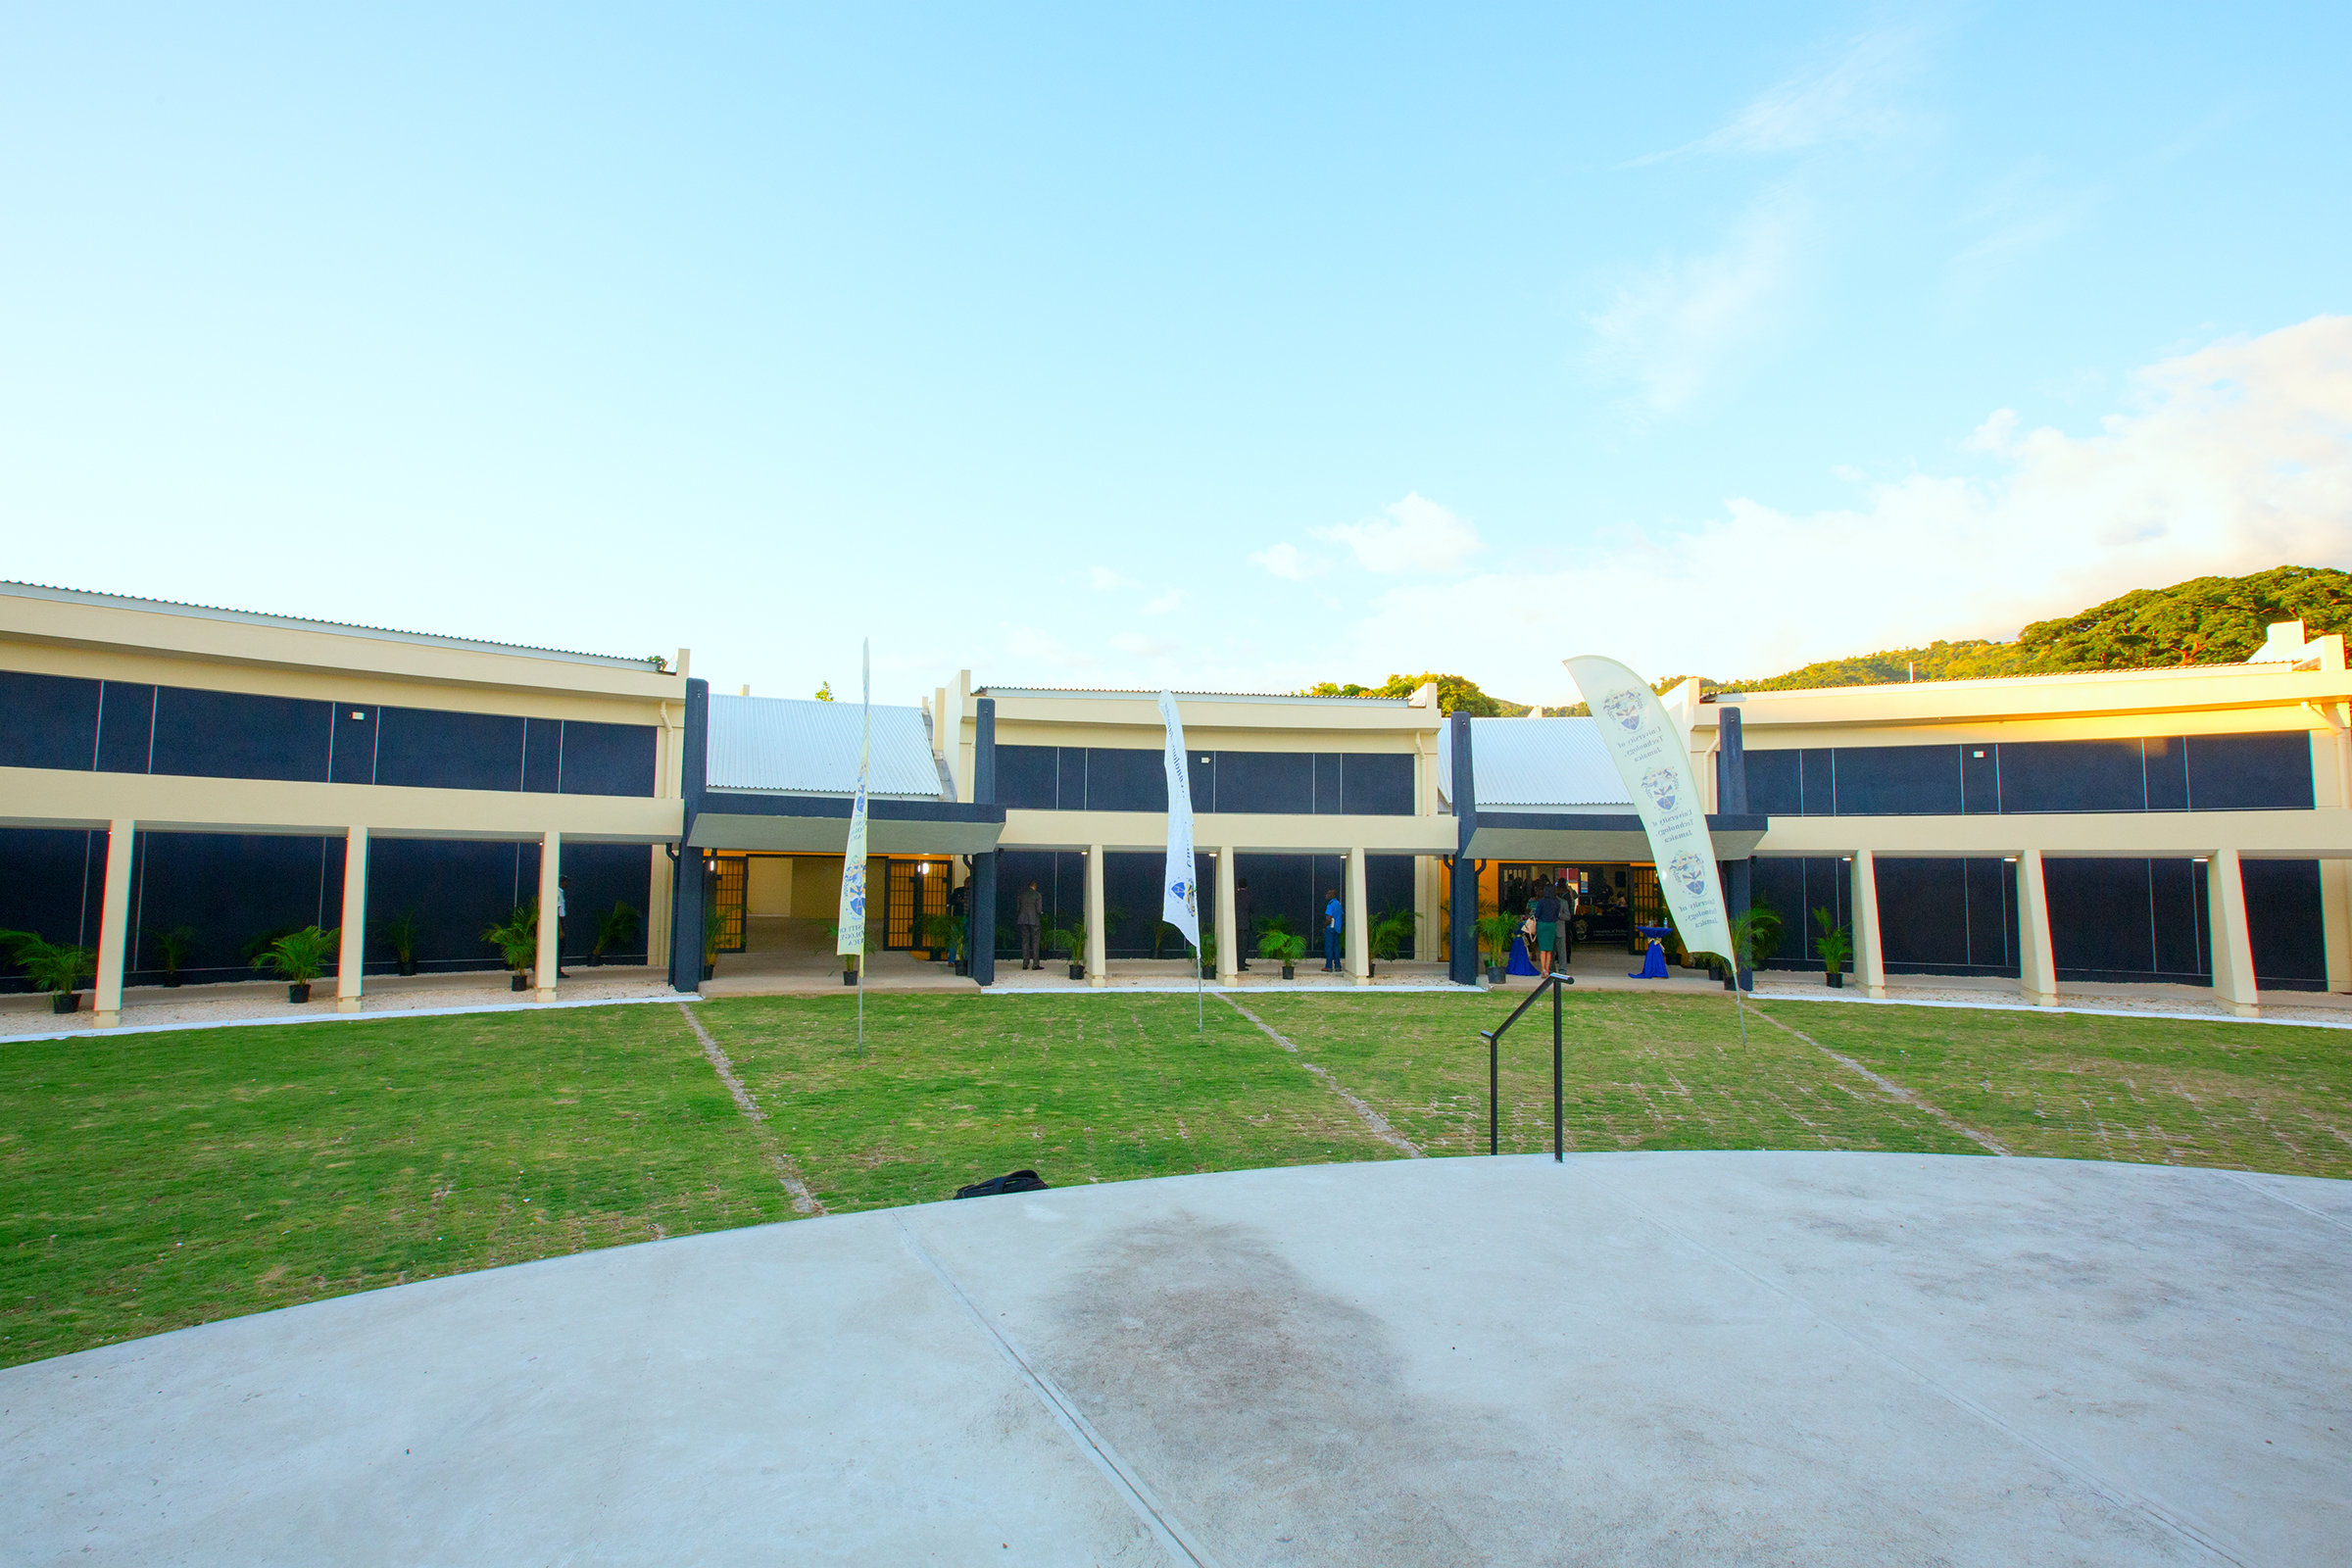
1633	1358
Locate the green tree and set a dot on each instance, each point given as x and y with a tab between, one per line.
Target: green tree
1457	693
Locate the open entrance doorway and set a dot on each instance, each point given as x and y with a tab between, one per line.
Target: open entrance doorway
1612	896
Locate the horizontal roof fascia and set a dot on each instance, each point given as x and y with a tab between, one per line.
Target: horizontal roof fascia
98	622
736	819
1576	836
2093	695
2322	834
1311	715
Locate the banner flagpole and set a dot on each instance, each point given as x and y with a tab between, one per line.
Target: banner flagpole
849	929
1655	766
1179	895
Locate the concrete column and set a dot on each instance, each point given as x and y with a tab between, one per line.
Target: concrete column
2038	968
1358	936
1869	960
657	913
2232	950
984	920
350	961
1095	974
1229	925
114	924
551	867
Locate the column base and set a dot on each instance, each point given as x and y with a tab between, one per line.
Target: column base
1098	980
104	1020
2041	999
544	994
1874	992
2244	1010
347	1003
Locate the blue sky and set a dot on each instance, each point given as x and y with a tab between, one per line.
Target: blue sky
1206	346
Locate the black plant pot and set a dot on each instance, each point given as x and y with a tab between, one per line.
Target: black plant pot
66	1002
849	977
171	982
1289	973
596	961
1837	980
405	965
1077	971
709	968
519	982
1493	974
299	991
963	966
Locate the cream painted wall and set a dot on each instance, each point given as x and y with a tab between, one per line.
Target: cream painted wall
817	886
768	886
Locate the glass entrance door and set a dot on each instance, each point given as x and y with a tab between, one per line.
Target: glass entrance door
730	882
912	890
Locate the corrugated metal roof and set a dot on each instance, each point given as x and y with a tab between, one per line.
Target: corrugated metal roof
1536	762
786	746
256	618
1213	697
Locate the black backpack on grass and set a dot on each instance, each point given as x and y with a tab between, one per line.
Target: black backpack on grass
1019	1181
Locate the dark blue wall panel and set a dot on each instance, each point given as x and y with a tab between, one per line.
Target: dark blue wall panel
2165	759
1775	786
2100	916
240	735
602	875
1981	780
425	748
456	890
607	758
2043	776
228	888
2250	772
1270	782
51	880
1923	910
1329	768
1992	915
48	721
543	755
2177	918
2284	922
1376	784
1388	888
354	760
1028	777
1070	774
1122	779
125	728
1898	781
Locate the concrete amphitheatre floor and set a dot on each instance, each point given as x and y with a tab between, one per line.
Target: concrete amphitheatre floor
1656	1358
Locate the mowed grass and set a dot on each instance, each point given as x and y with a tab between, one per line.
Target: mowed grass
952	1090
152	1181
148	1182
2268	1098
1637	1072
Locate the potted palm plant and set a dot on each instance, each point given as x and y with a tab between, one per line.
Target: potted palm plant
615	930
1075	939
1283	947
1834	947
517	939
53	966
1494	941
1755	935
173	947
400	935
300	958
1390	932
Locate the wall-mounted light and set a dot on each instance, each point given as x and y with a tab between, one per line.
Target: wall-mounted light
2196	860
358	712
2011	859
1975	753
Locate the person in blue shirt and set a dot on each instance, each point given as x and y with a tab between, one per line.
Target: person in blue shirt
1333	914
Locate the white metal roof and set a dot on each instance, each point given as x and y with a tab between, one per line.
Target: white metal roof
1536	764
786	746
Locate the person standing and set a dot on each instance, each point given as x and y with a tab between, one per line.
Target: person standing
1241	921
1028	914
960	910
1332	915
1546	910
1569	904
562	882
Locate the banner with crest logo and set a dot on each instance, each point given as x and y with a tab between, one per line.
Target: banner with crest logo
1179	899
852	924
1655	764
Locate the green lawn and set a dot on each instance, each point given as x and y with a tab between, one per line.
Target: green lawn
152	1181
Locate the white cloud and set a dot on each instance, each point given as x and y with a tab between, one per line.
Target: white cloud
1414	536
1855	95
2232	459
1142	647
1684	323
1164	603
1104	580
1289	561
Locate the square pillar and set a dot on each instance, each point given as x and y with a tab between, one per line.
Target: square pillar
1094	945
1356	938
2037	967
551	953
1869	960
2233	949
657	913
350	961
114	924
1229	924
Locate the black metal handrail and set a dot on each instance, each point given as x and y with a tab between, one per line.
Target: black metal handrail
1556	984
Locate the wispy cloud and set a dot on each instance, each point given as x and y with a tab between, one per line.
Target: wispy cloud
2231	459
1290	563
1854	93
1683	324
1104	580
1164	603
1414	536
